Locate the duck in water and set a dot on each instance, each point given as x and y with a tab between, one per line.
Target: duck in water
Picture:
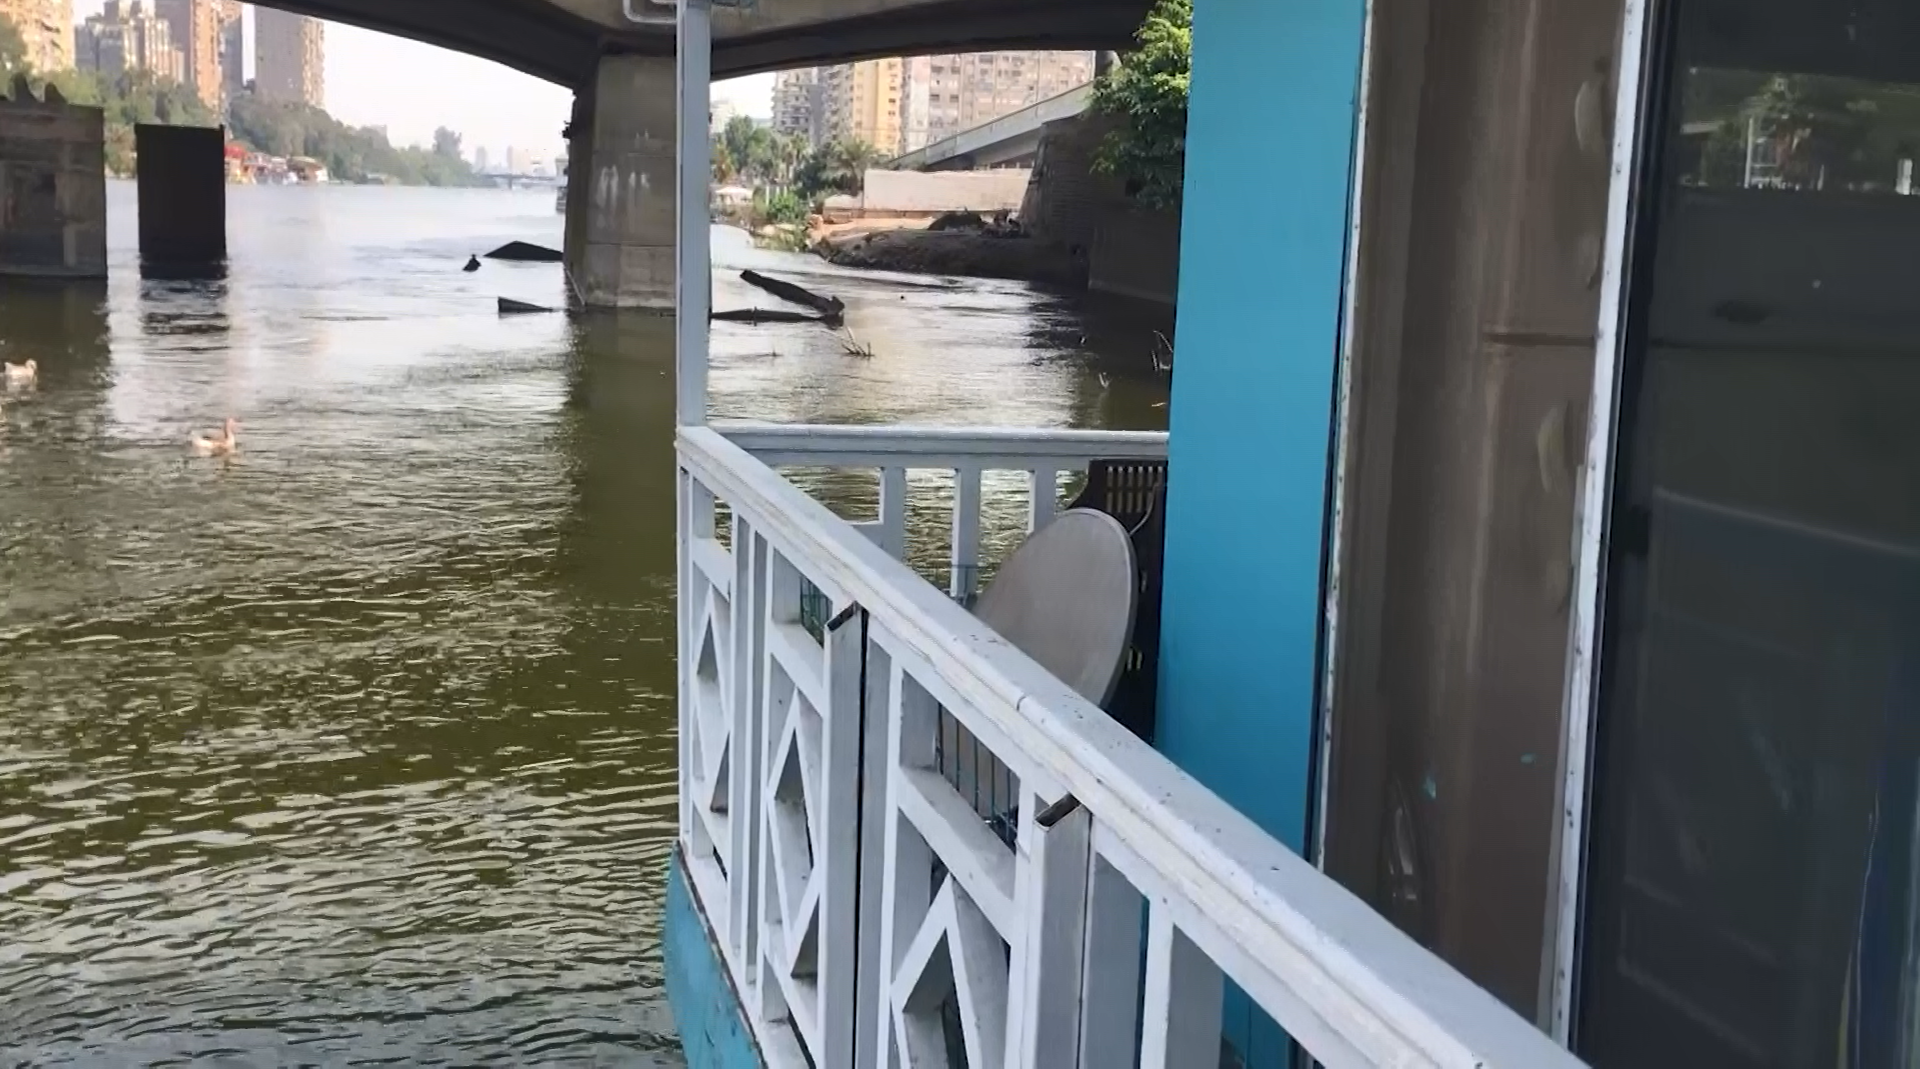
473	264
220	444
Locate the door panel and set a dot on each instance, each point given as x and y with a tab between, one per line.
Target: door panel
1750	874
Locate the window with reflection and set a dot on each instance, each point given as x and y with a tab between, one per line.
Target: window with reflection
1752	894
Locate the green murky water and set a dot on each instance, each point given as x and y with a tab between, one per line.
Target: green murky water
357	747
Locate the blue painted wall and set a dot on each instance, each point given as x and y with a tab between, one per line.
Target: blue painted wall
711	1021
1270	146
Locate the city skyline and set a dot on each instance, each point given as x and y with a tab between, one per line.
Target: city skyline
375	79
901	104
128	36
289	58
194	28
408	87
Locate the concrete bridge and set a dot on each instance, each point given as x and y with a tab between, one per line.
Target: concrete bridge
626	149
1012	139
563	41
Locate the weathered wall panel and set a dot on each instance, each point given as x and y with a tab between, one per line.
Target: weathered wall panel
53	192
183	199
1480	244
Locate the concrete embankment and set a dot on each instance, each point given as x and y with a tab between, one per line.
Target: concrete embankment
969	253
1077	227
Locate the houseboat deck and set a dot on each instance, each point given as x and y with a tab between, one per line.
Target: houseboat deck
863	910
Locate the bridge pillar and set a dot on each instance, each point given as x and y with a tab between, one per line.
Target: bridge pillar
620	186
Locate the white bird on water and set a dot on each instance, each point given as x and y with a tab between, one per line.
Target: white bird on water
212	444
23	374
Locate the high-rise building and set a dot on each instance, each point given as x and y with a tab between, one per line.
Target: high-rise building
916	85
720	113
290	57
943	95
480	159
46	28
124	37
862	103
524	161
233	47
798	107
195	28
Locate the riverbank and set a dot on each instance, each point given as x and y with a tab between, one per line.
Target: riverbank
906	245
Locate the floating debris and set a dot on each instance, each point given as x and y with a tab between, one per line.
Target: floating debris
526	252
830	308
511	307
767	315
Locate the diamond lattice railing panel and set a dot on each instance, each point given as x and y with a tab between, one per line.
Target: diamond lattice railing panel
713	725
955	954
789	833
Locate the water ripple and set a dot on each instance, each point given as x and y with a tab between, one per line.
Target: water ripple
347	751
357	749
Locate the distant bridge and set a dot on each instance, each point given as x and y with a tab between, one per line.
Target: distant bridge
512	180
1009	140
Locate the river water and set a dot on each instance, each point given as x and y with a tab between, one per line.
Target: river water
357	747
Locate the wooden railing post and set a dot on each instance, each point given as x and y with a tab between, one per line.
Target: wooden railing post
1044	1025
879	900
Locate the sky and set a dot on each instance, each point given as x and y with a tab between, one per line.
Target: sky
374	79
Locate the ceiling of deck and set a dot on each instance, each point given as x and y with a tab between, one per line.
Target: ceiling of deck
561	40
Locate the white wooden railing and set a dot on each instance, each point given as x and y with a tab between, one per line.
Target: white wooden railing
867	914
964	454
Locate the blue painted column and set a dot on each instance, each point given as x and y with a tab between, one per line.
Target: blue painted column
1270	147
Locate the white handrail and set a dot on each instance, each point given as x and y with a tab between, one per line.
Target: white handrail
935	447
1332	972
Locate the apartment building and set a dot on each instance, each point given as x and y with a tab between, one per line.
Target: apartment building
861	102
233	47
195	28
126	36
798	104
943	95
46	28
290	57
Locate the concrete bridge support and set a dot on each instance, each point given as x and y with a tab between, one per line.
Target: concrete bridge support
620	186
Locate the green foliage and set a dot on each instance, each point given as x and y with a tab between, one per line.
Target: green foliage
782	207
1147	92
835	167
745	151
128	99
348	153
1819	131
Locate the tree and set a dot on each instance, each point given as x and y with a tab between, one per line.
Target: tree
348	153
1812	131
835	167
758	154
1147	92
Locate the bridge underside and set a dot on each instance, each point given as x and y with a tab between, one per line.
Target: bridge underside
562	40
628	149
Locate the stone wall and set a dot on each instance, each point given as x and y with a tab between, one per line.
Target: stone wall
1123	248
1136	253
934	192
53	189
1066	200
